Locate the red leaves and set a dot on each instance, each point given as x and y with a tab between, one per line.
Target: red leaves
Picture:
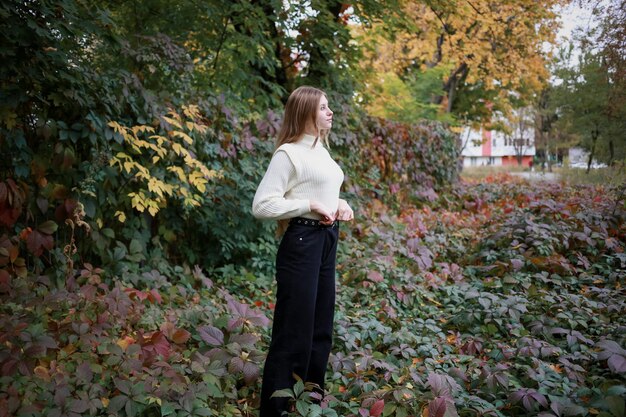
9	255
472	347
243	314
152	296
40	239
155	344
442	385
180	336
174	334
249	369
84	372
5	281
37	242
377	408
12	199
421	254
8	250
65	210
265	304
517	264
375	276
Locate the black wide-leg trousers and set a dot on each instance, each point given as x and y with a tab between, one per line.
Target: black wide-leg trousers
303	316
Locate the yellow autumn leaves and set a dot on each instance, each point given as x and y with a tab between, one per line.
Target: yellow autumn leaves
496	45
161	164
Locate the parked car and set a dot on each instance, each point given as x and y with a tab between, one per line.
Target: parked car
583	165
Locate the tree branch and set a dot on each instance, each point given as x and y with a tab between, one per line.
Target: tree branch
474	7
443	23
222	38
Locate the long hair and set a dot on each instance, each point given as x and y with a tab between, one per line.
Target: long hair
300	110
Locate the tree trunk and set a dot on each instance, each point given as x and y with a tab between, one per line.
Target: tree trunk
541	139
549	164
281	78
547	153
318	64
438	55
279	75
594	139
452	84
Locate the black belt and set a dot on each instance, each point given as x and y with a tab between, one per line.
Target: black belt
303	221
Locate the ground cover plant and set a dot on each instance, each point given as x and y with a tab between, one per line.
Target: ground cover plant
134	282
507	299
500	298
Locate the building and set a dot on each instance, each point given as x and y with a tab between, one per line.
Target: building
497	148
492	147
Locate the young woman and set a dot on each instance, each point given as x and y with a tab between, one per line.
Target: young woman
301	190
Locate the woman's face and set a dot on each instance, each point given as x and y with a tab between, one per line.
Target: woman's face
324	115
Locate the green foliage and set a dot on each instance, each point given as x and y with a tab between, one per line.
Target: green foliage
409	100
165	350
511	294
590	105
501	298
161	176
408	163
106	116
132	142
615	175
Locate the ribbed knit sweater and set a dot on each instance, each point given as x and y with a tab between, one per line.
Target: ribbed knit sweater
297	174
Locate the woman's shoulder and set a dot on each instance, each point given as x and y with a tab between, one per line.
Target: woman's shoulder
288	148
285	147
285	152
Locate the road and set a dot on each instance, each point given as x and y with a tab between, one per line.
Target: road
537	175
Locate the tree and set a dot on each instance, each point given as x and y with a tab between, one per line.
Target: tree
547	138
612	40
254	52
591	98
489	49
408	100
234	49
585	107
519	131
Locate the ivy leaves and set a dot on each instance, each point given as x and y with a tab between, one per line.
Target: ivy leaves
614	354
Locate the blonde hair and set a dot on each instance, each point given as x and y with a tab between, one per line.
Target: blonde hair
301	108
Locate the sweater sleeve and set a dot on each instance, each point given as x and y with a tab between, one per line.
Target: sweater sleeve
269	200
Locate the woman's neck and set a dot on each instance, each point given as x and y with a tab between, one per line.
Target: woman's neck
311	130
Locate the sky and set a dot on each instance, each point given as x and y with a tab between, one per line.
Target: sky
573	16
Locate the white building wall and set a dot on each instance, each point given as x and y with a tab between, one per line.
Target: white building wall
472	141
473	149
478	161
500	148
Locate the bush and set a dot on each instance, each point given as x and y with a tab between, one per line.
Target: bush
504	299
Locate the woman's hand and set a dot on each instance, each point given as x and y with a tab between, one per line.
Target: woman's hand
327	217
344	212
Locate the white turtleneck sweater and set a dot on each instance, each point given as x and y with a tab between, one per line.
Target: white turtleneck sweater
297	174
